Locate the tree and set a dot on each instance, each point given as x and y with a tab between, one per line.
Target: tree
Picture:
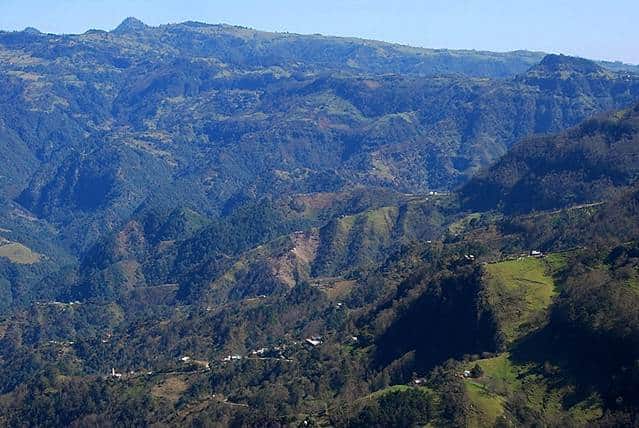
476	371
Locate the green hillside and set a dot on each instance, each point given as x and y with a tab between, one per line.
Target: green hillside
506	384
521	292
587	164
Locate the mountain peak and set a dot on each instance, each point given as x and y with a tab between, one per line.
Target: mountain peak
553	63
32	30
130	25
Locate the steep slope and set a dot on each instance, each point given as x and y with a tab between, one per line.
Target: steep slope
324	240
333	258
33	261
541	338
586	164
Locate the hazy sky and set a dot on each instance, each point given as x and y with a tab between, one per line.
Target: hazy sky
590	28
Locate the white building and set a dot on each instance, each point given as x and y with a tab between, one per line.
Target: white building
315	341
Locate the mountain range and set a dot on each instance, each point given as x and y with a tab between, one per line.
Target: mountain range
208	115
208	225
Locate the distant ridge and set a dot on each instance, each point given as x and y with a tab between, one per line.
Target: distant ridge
552	64
132	25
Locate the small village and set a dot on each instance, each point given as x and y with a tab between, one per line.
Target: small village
188	364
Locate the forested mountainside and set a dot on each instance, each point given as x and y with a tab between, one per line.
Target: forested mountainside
208	225
204	116
350	309
583	165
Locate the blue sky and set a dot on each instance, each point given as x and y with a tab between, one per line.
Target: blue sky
590	28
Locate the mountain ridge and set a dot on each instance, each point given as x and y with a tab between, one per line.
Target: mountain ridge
132	25
586	164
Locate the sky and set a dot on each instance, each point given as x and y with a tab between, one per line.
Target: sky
589	28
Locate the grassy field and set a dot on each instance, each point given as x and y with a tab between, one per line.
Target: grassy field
521	291
334	287
503	379
170	389
387	390
462	224
486	406
19	254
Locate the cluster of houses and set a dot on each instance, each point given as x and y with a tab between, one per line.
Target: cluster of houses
533	253
61	305
274	351
234	357
185	359
116	375
264	352
259	353
62	342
